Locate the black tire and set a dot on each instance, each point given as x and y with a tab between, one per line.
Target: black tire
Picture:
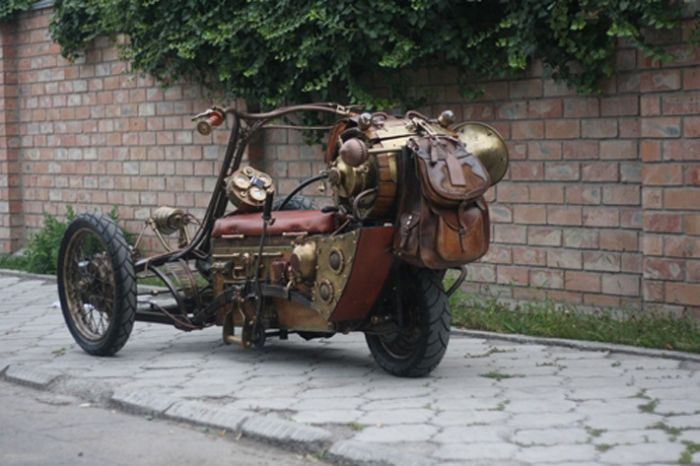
298	202
96	275
419	346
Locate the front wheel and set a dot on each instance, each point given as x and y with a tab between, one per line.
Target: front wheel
97	284
419	344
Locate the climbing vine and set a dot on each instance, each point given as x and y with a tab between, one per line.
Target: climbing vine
363	51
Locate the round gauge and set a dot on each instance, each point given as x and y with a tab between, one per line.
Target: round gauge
241	181
267	181
257	194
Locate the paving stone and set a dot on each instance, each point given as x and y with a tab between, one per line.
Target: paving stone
477	452
394	434
603	393
220	417
692	421
670	407
620	421
545	420
620	437
557	453
360	453
644	453
281	403
485	434
539	406
397	416
560	436
340	416
399	403
328	403
287	433
29	376
468	417
143	401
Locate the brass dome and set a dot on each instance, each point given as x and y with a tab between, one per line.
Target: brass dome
484	142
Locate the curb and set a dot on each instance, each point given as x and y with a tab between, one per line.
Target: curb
21	274
292	436
583	345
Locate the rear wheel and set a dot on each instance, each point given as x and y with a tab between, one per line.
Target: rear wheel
97	284
419	344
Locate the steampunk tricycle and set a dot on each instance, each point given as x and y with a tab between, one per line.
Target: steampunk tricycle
408	204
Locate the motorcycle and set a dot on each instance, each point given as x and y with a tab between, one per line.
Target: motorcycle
407	205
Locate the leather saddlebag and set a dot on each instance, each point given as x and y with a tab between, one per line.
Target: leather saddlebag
443	220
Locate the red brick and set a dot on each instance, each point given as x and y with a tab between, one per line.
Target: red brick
665	127
482	273
515	234
601	261
691	78
580	238
544	236
683	149
599	128
619	105
650	105
545	108
600	171
561	171
512	192
683	293
621	195
691	127
621	284
564	259
529	214
682	199
526	88
650	151
580	150
581	107
653	291
547	279
587	195
662	174
508	275
526	171
512	110
564	215
619	150
601	216
681	246
691	224
527	130
544	150
662	222
664	269
582	281
547	194
601	301
619	240
629	127
529	256
686	103
693	271
666	80
562	129
498	255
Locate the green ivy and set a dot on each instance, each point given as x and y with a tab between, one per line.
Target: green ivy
361	51
10	7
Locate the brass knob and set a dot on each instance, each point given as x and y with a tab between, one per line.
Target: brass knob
446	118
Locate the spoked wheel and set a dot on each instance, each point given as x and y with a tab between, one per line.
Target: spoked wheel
97	284
420	343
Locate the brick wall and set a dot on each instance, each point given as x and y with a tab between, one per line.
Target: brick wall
601	205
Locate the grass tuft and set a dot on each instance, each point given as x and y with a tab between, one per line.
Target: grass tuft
646	329
690	449
498	376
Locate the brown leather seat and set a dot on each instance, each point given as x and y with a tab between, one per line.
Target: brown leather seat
286	221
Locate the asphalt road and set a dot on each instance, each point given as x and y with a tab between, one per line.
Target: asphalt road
42	428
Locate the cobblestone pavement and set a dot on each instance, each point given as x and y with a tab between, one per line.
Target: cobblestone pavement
489	402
